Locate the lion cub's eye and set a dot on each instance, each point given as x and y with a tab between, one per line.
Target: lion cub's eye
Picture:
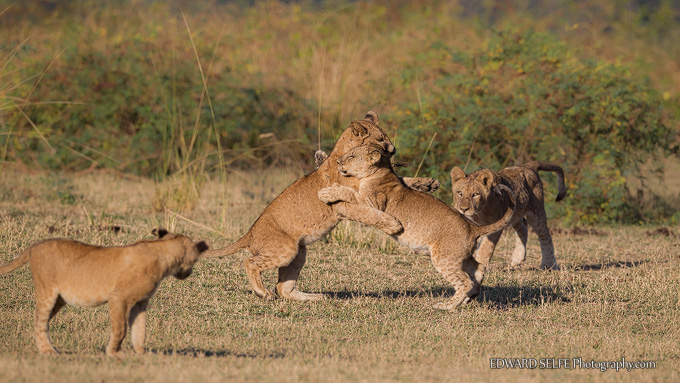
459	193
475	194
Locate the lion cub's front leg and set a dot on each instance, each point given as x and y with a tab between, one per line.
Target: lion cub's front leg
137	324
355	209
338	193
119	313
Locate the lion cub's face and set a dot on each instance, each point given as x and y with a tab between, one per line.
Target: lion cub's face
471	193
360	162
192	251
364	132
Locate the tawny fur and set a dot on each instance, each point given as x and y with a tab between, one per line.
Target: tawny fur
70	272
297	218
428	223
473	197
422	184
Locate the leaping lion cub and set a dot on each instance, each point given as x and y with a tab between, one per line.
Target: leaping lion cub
429	224
70	272
474	197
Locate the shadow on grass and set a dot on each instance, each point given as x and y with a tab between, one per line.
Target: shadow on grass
610	265
196	352
501	297
505	297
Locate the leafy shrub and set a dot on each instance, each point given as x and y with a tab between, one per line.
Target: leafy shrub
527	96
133	99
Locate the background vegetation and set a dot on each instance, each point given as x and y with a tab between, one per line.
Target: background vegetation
180	91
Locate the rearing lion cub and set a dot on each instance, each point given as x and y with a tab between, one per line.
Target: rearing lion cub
296	218
429	224
66	271
474	197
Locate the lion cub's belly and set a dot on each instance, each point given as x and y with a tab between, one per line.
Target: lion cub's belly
84	295
413	240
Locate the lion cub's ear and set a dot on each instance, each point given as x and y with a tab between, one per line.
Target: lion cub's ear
201	246
457	174
358	129
488	178
372	117
160	232
374	156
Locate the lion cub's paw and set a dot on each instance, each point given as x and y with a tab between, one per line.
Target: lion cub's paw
550	267
319	157
452	304
391	226
114	354
50	351
332	194
424	184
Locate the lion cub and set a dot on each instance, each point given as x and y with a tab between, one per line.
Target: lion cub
474	197
296	218
66	271
428	223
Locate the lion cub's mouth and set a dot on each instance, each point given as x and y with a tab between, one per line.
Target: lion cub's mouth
468	213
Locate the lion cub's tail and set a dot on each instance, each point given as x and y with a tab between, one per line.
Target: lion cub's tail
240	244
17	262
557	169
501	223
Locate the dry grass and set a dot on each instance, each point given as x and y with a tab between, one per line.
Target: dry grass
616	296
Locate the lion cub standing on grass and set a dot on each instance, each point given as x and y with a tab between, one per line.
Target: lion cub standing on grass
66	271
428	223
474	197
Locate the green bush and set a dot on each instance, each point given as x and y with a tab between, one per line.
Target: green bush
527	96
129	99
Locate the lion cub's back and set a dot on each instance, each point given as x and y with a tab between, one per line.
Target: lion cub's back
84	275
297	211
423	217
525	183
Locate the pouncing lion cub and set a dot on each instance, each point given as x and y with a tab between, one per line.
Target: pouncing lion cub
70	272
428	223
474	196
296	218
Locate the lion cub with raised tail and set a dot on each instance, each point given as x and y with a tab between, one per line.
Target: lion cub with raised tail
428	223
69	272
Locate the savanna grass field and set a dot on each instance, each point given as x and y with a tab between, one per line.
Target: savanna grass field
120	117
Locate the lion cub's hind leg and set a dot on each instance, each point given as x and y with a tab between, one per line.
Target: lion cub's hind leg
288	276
519	254
538	222
282	252
487	245
451	266
254	266
476	272
47	306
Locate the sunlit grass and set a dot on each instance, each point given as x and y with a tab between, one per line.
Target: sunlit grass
616	296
